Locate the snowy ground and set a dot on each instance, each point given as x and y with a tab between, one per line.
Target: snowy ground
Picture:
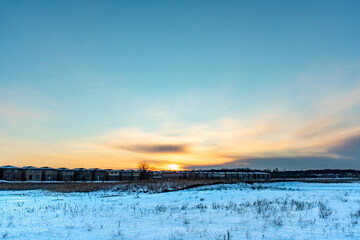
236	211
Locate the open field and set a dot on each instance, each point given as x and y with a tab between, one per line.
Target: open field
152	186
283	210
145	186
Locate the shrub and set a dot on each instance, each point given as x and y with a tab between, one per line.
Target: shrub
324	211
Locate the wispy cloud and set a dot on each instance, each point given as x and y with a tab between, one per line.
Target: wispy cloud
319	127
155	148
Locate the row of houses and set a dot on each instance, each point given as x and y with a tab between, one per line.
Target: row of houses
11	173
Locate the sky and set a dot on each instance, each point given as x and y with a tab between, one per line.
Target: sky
193	84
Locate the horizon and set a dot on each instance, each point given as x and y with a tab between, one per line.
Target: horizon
181	85
205	169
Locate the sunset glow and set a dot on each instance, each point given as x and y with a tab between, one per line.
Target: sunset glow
173	167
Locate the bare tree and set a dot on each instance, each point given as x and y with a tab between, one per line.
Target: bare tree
144	166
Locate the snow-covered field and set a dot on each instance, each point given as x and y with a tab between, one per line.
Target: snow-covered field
234	211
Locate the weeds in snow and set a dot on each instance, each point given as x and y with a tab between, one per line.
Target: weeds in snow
222	213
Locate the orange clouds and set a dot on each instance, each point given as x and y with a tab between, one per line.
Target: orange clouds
271	135
213	143
217	142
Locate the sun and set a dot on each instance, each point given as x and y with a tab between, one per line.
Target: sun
173	167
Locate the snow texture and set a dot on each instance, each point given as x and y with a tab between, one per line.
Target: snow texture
232	211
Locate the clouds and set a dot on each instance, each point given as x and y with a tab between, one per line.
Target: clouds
318	134
319	127
260	141
264	141
155	148
345	155
289	163
348	148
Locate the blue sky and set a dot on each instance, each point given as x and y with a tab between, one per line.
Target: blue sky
74	73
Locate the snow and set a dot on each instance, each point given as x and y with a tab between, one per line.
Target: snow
233	211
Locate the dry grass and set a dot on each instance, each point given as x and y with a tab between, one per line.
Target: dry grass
144	186
154	186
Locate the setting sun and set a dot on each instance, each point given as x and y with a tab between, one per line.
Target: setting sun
173	167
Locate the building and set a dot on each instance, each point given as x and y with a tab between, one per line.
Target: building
202	175
30	173
242	176
181	174
261	176
157	175
171	175
98	174
146	175
83	174
126	175
194	175
10	173
231	176
136	175
222	175
113	175
209	175
187	174
216	175
65	174
48	174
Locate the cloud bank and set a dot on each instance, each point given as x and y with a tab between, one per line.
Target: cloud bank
155	148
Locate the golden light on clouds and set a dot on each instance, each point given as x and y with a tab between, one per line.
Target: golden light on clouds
176	145
207	144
